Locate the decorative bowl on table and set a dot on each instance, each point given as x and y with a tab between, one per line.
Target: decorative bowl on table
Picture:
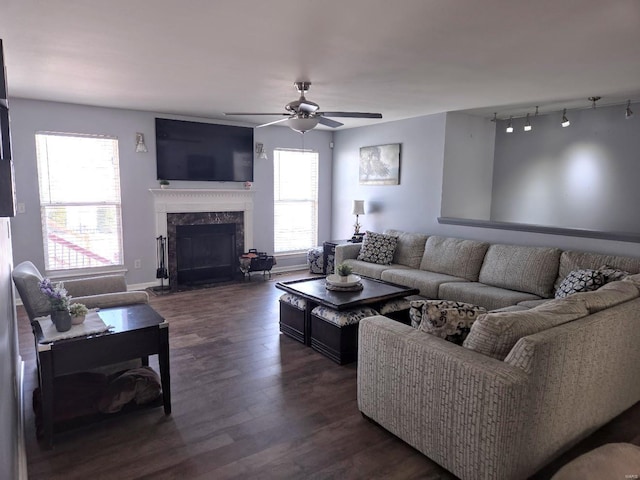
343	281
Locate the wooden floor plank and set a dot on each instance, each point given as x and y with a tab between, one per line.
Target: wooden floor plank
248	402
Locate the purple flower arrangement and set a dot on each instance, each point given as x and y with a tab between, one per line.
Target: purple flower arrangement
58	295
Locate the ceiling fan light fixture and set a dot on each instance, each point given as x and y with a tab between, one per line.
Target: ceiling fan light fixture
302	124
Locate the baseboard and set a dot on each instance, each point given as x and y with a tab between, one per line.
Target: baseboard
22	449
144	286
290	268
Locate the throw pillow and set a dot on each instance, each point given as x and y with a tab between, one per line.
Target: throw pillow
378	248
612	274
448	319
580	281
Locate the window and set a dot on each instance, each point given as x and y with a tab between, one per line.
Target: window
79	178
295	200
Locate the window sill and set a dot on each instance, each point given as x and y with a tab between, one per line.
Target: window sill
85	272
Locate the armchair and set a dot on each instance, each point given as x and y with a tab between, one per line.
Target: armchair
95	292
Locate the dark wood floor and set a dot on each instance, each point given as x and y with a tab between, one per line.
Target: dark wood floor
247	403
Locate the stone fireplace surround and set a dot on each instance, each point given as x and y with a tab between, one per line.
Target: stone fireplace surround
202	206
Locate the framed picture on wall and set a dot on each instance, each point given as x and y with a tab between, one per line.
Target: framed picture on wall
380	165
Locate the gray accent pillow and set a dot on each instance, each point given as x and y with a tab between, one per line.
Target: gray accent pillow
580	281
378	248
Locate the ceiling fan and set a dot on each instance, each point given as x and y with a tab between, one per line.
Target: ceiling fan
303	115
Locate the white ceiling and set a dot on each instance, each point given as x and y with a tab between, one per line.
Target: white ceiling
402	58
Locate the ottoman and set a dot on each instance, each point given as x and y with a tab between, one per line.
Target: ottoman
292	312
398	309
315	259
335	333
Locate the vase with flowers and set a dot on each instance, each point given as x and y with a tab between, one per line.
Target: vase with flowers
59	301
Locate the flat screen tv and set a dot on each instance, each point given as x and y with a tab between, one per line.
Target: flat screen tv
203	151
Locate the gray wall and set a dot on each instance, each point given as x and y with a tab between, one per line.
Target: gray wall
412	205
138	175
10	437
583	176
468	166
415	204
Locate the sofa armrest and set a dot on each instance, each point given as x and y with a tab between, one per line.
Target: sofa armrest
116	299
462	409
347	251
83	287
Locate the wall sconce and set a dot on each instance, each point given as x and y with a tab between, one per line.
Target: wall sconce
140	146
628	113
260	151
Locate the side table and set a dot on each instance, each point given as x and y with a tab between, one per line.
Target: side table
329	254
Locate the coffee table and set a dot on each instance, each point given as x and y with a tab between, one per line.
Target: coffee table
331	340
139	331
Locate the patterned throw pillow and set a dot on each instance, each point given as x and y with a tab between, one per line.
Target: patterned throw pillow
612	274
448	319
580	281
378	248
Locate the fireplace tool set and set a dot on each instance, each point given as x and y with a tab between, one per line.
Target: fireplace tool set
161	259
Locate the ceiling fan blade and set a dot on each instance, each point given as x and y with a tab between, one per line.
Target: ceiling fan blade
307	107
273	123
350	114
244	113
328	122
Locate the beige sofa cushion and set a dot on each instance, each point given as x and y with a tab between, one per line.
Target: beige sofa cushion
372	270
571	260
495	334
610	295
526	269
410	248
487	296
427	282
454	256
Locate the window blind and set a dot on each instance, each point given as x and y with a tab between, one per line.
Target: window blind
79	180
295	200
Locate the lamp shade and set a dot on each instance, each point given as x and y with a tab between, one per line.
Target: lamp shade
358	207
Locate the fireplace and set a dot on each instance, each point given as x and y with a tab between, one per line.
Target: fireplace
203	247
199	207
205	253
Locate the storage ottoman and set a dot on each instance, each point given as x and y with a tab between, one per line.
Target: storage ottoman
292	312
315	259
335	333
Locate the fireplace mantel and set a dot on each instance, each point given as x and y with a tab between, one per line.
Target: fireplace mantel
182	200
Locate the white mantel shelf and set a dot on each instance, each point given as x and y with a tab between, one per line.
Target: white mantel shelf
183	200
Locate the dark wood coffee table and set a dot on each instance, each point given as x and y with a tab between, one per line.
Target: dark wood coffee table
338	344
139	331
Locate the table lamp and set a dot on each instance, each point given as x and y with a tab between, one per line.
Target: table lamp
358	209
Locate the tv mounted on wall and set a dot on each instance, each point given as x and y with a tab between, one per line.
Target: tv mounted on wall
203	151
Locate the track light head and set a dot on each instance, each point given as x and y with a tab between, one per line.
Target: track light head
565	120
527	125
510	126
628	113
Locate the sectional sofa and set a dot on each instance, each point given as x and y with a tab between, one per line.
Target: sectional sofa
532	378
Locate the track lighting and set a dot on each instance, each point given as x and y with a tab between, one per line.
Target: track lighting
527	125
565	120
510	125
628	113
